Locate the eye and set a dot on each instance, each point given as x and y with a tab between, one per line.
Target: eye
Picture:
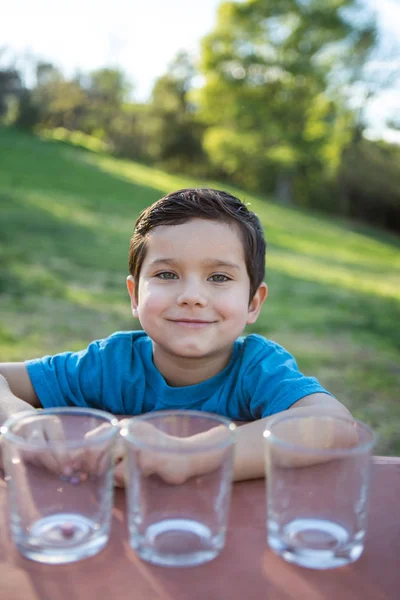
165	275
219	278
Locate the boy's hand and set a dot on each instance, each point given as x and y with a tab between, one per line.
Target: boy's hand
172	468
58	458
45	430
9	402
9	405
173	462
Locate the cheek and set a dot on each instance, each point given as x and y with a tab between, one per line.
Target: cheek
152	300
234	305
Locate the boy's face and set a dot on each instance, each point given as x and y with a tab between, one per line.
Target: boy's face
193	295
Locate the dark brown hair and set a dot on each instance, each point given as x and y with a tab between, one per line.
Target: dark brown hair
193	203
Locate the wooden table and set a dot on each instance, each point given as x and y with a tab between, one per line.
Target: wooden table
245	570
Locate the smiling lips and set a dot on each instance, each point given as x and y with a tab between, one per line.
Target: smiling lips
193	323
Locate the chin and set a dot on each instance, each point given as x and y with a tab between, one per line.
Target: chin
188	352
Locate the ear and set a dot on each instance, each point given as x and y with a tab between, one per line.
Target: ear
256	303
130	282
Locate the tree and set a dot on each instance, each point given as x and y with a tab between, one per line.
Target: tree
107	90
370	177
175	132
11	86
59	102
276	119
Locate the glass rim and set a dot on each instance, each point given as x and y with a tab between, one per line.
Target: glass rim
360	448
18	440
219	420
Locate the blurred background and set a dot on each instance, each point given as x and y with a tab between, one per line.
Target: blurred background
293	105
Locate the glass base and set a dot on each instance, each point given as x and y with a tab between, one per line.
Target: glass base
61	538
177	543
315	543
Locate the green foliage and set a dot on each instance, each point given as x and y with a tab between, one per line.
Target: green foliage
66	217
370	183
10	87
268	69
59	102
106	91
240	156
175	133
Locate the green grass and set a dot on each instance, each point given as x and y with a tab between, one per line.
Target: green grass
66	217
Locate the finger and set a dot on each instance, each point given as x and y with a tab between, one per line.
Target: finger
144	432
119	450
101	457
39	431
144	460
101	460
119	475
149	463
172	468
176	470
40	454
55	435
93	433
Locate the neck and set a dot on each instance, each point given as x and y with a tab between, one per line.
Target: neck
181	371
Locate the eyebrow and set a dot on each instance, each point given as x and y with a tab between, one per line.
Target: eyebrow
208	263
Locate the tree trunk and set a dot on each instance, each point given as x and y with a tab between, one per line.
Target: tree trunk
283	188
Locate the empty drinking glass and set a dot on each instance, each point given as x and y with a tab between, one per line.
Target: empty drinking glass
179	474
59	467
318	473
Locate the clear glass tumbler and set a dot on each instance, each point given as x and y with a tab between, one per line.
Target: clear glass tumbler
179	476
59	467
318	473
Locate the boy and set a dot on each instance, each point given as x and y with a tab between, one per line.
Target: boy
197	264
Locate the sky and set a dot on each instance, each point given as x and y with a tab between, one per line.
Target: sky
141	37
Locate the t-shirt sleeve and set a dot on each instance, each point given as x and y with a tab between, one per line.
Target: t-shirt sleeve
69	379
273	381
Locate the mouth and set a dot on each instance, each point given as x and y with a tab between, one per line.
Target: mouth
195	323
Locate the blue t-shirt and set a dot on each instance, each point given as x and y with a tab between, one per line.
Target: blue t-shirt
118	375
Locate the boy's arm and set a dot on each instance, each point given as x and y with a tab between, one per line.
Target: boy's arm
249	457
16	390
249	461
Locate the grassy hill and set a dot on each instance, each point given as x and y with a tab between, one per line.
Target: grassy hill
66	217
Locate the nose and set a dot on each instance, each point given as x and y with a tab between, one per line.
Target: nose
192	293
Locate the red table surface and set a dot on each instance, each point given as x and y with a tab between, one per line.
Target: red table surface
246	569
